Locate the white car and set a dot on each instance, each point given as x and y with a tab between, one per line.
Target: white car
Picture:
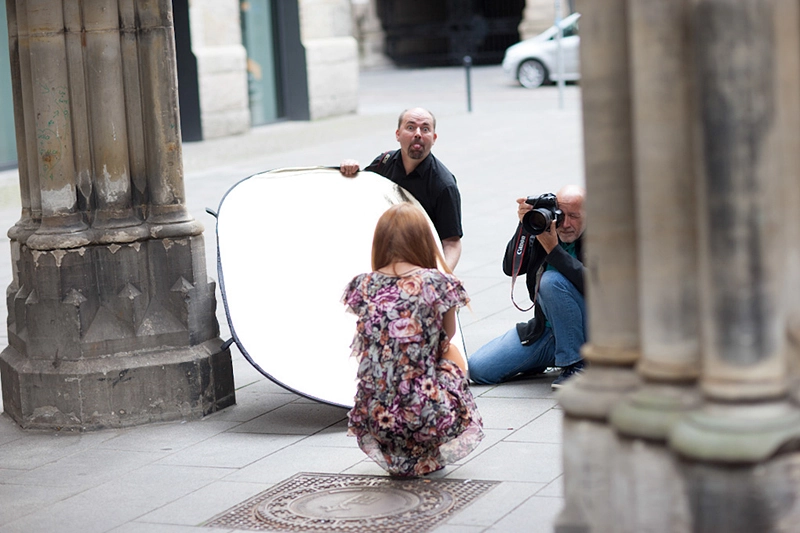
534	61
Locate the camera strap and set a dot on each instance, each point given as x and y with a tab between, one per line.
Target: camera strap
521	244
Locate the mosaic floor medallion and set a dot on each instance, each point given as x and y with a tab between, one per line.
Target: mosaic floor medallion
335	503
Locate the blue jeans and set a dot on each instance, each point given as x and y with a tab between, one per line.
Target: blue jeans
505	357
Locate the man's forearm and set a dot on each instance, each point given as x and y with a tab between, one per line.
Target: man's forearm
452	251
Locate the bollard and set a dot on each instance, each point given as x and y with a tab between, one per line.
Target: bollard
467	65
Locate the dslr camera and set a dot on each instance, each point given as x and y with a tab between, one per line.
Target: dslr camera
545	210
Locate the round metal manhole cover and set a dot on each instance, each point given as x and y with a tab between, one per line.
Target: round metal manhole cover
355	503
328	503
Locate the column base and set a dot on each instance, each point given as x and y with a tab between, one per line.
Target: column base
596	391
122	235
119	391
67	230
112	226
652	411
24	228
736	433
168	223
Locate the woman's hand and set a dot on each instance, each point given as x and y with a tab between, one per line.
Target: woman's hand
453	354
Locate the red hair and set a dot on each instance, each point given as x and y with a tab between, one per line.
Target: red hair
403	233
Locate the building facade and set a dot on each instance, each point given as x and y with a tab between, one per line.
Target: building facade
247	64
243	64
442	32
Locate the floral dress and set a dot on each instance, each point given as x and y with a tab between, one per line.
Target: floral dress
413	412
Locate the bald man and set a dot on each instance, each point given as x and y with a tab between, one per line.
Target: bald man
553	262
414	168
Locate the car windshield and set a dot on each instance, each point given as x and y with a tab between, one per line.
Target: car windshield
569	31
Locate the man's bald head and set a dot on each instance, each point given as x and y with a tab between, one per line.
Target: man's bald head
418	111
570	201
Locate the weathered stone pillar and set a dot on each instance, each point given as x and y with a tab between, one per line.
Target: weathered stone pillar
105	93
19	52
129	48
167	212
747	72
111	313
668	261
62	223
79	87
787	204
709	441
740	155
611	255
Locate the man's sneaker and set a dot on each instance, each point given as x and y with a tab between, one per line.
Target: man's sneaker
567	373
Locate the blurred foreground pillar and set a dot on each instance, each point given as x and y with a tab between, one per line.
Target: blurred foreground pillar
590	443
664	181
111	315
747	432
709	441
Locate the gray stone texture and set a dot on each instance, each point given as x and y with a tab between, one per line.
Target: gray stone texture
111	314
689	126
326	30
221	67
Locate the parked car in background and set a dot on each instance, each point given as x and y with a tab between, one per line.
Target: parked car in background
534	61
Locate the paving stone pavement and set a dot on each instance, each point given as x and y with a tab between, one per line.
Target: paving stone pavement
172	477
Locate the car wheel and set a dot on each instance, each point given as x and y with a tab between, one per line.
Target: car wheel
531	73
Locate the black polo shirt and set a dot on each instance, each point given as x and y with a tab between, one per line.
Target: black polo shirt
431	184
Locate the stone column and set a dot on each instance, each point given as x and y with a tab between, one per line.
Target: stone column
62	222
111	313
709	441
611	261
76	41
19	52
787	204
740	448
105	96
137	160
158	73
746	76
668	262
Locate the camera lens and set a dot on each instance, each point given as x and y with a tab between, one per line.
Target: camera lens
536	221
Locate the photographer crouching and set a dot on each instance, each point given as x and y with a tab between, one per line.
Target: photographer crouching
547	248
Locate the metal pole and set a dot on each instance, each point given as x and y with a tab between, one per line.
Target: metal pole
467	65
560	57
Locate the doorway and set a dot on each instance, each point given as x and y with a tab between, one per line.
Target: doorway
258	23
